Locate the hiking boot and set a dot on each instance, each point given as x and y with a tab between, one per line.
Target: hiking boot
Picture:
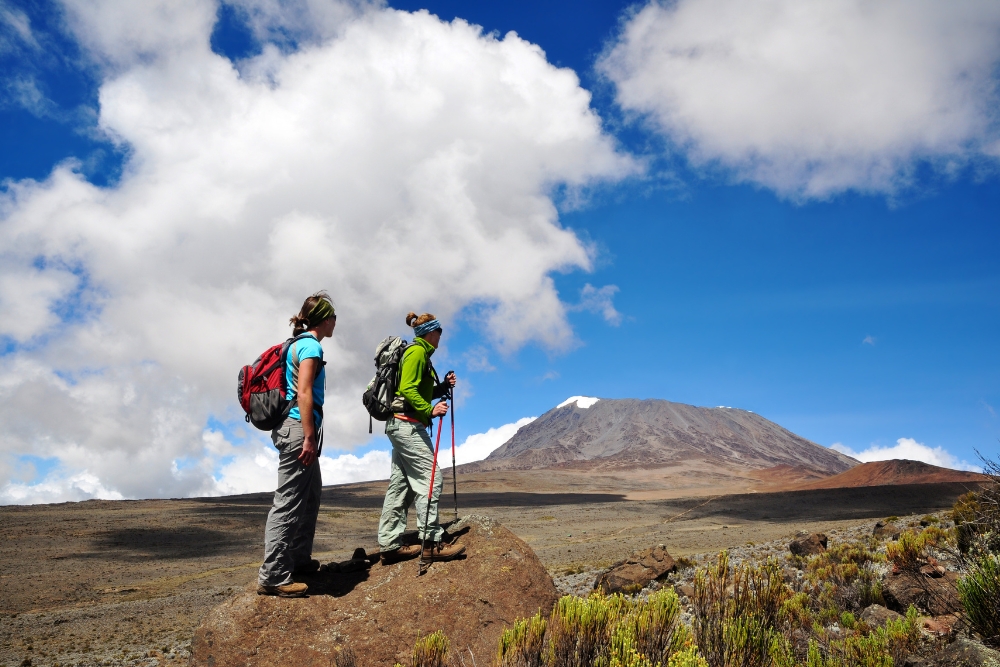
309	567
441	551
402	553
293	590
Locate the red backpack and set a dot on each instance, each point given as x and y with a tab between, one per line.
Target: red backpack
263	390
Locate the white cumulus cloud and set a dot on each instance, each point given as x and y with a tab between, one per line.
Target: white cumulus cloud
477	447
399	161
812	99
907	448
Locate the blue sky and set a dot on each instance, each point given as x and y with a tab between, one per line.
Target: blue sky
828	264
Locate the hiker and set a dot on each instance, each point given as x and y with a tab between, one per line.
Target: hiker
413	452
291	523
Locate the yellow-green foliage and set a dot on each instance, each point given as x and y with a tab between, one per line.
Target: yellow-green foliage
848	620
980	593
580	628
598	631
431	651
736	612
966	508
656	627
622	651
796	609
906	551
882	647
522	644
687	657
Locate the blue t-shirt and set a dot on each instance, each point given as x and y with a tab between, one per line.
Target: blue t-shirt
307	348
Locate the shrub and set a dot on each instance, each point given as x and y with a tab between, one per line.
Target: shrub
521	645
431	651
622	651
905	553
655	625
980	594
882	647
600	630
687	657
736	612
977	515
580	629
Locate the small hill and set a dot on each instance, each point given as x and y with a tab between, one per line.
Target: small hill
621	434
895	471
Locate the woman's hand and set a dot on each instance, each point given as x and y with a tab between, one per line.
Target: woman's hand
440	410
308	454
451	378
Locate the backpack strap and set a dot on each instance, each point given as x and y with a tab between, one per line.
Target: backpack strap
295	375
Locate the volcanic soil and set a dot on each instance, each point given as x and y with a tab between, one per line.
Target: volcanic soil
127	582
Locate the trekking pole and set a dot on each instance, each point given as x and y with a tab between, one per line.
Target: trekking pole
430	495
454	473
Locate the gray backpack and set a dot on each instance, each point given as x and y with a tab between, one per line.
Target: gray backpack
380	397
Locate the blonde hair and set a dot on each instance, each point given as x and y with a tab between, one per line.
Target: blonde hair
414	320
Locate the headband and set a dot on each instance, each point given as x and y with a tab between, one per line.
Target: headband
321	311
426	327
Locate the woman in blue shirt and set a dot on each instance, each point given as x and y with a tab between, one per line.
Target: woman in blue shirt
291	523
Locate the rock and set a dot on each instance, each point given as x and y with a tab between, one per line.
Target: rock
809	545
939	626
876	615
936	596
380	612
934	571
636	571
965	652
886	531
685	590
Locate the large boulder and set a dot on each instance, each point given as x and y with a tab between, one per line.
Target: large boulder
808	545
380	612
936	596
637	571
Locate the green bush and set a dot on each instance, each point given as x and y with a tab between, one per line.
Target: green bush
736	612
905	553
580	629
980	594
522	644
431	651
687	657
883	647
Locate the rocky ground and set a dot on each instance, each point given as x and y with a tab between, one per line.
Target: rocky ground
127	583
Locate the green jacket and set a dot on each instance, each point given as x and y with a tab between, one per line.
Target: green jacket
418	383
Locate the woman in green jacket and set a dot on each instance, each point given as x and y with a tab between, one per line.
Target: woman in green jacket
413	451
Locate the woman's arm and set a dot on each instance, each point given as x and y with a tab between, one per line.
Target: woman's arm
307	374
411	370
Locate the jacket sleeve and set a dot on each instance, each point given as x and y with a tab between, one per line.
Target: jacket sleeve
411	370
441	390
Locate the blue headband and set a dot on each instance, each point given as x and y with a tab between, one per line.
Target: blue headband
426	327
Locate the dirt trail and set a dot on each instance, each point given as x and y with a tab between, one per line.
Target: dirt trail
126	582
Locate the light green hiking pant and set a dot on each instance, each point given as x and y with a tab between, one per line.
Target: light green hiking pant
409	480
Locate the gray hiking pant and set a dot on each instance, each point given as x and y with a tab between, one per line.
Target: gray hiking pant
409	481
291	523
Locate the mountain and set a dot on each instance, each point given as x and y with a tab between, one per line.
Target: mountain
896	471
620	434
